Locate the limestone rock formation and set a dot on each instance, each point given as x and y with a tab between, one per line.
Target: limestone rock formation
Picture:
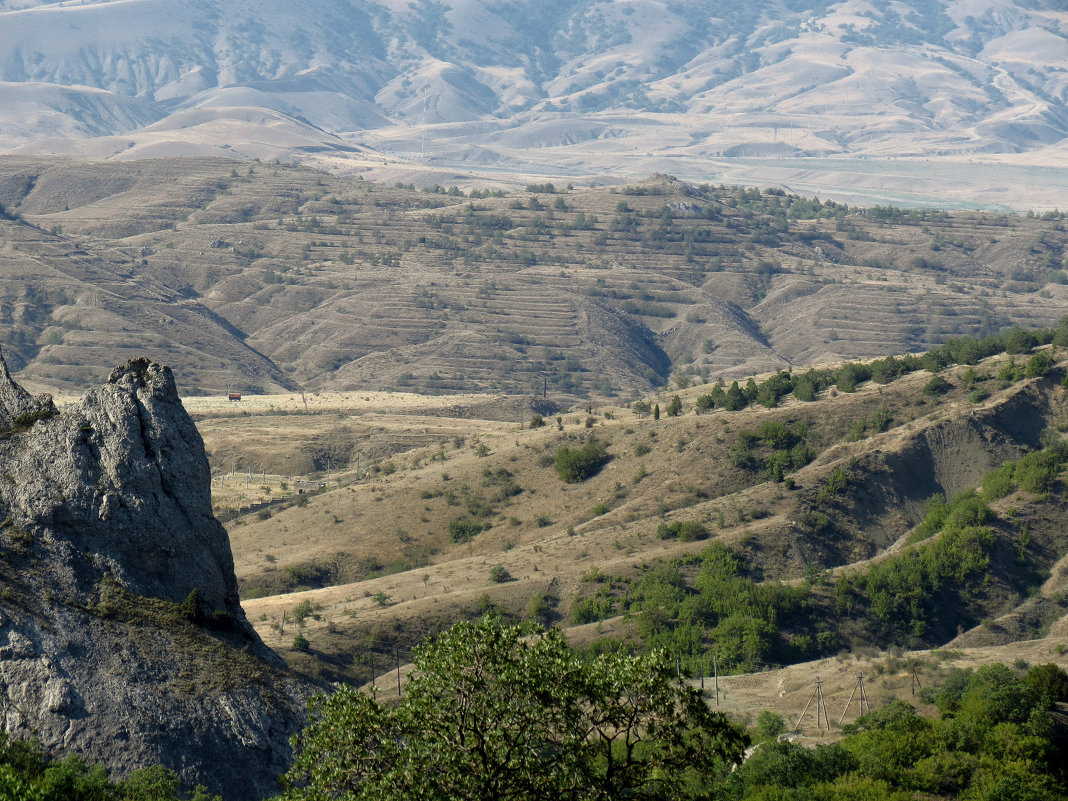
17	406
122	638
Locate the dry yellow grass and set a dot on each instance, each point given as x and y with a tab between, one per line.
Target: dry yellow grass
369	523
320	402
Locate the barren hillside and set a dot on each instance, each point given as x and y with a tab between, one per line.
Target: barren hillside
266	277
900	101
478	518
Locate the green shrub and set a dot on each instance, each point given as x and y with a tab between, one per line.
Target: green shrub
26	774
1038	365
937	386
1036	471
805	390
304	609
1049	681
500	574
735	398
1010	372
578	464
464	529
776	436
589	610
904	592
967	509
1016	340
769	725
998	483
848	376
835	483
685	530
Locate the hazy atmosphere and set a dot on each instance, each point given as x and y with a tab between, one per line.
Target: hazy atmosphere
499	399
923	101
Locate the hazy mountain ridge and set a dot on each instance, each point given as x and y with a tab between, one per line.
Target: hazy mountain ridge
577	81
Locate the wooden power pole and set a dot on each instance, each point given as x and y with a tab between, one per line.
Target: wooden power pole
865	708
822	718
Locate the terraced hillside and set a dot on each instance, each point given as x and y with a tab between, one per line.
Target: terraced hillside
270	277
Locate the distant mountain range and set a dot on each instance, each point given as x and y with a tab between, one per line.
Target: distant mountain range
537	86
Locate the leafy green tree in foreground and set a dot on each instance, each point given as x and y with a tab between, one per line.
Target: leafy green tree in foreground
498	712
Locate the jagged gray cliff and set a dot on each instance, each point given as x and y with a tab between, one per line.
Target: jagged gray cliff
122	638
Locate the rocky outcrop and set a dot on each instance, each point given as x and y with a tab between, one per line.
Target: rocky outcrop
122	638
18	409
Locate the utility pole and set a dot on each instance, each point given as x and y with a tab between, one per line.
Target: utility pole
864	707
715	672
821	708
821	705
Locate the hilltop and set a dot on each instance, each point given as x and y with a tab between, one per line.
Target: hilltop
268	278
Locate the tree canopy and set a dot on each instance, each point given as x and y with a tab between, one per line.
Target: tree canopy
500	712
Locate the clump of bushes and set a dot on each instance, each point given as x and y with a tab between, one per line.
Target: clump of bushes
28	774
464	529
773	450
894	753
500	575
578	464
937	386
685	530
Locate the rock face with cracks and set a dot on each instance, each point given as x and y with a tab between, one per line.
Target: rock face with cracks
122	638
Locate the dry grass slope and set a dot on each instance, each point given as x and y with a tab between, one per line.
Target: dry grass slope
379	538
266	277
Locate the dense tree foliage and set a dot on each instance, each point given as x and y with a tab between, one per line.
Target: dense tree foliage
773	450
511	712
26	774
994	739
498	712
